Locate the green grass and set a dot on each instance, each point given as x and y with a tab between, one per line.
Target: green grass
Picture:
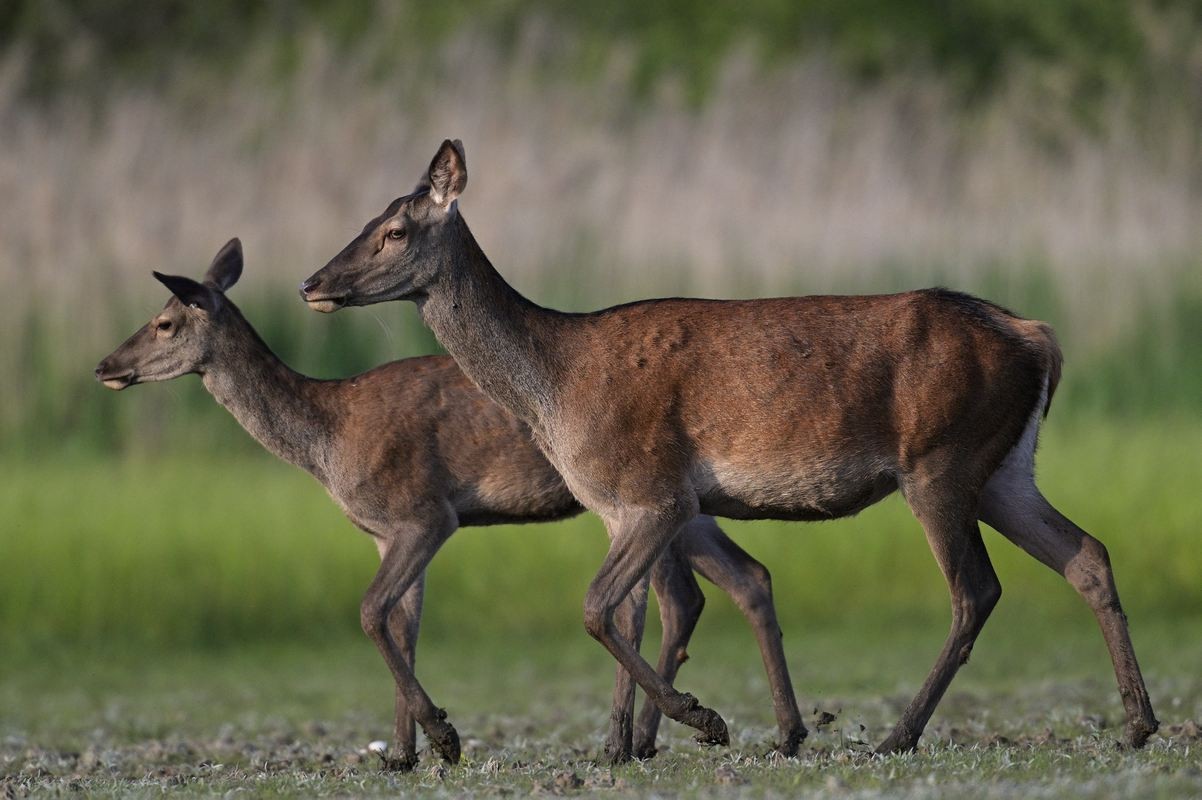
1033	714
169	551
191	625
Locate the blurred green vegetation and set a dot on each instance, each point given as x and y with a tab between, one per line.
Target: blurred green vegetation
1094	43
182	551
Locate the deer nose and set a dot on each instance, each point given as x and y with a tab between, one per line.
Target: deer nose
309	285
100	368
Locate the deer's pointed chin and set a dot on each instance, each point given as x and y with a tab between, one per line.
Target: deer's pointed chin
117	384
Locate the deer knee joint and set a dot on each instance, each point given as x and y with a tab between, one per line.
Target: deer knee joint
598	619
373	617
1091	575
975	605
1096	551
757	595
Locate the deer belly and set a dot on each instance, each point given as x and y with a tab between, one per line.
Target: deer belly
814	492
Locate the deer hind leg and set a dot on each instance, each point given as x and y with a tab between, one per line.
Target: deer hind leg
680	605
630	618
404	624
637	538
1012	505
721	561
955	539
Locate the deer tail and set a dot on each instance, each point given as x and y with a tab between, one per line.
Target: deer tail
1041	336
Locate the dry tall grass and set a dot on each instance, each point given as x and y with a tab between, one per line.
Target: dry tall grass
795	180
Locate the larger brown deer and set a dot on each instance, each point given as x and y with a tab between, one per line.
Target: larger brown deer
795	408
411	451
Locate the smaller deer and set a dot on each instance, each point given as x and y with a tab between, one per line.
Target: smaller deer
411	451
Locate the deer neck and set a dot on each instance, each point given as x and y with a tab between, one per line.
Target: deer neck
504	343
276	405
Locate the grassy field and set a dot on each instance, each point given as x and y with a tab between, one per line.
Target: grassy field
1035	714
166	551
184	624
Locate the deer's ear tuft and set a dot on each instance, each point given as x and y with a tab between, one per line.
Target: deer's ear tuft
447	175
189	292
227	265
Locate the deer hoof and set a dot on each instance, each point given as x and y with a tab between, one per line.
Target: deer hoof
711	727
644	748
790	743
897	743
405	763
443	738
617	744
646	752
615	755
1138	732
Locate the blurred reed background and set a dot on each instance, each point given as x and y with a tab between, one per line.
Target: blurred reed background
1045	155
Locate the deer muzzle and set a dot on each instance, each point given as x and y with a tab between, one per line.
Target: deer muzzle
115	378
325	302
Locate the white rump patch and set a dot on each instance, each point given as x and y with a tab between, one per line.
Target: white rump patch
1014	480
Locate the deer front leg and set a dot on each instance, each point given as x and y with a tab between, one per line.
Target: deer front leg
404	624
637	537
631	616
408	553
680	604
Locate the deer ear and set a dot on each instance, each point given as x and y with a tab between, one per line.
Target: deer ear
447	175
189	292
227	266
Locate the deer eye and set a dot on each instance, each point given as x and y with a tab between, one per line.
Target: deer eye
164	325
396	233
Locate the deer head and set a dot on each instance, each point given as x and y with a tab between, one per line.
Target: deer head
399	254
181	338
